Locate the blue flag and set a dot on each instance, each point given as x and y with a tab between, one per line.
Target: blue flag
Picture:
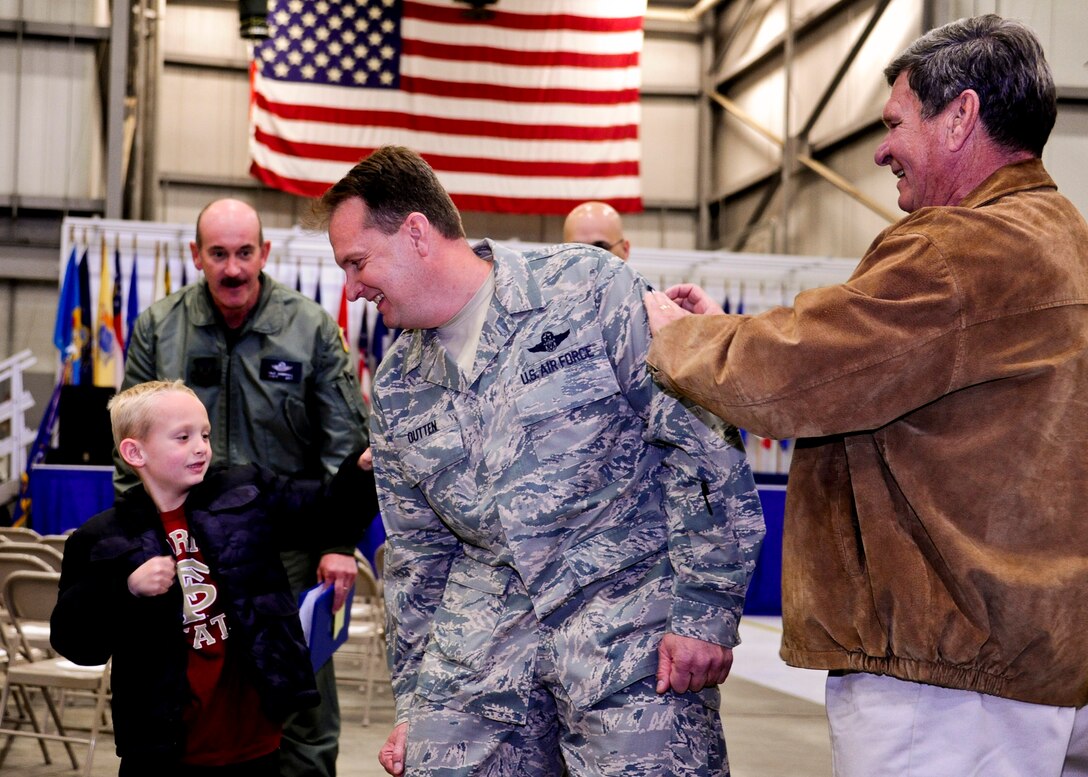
66	307
84	372
132	304
36	455
118	329
377	342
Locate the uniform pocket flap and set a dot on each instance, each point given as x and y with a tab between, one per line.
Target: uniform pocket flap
569	378
489	580
615	549
429	446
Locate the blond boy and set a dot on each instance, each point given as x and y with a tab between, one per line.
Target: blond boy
180	583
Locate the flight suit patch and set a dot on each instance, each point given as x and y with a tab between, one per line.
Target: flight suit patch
281	371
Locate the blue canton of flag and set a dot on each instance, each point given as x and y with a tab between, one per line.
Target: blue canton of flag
342	43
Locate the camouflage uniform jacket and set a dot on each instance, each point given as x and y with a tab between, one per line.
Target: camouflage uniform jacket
555	483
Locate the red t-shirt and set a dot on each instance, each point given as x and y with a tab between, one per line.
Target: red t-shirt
224	722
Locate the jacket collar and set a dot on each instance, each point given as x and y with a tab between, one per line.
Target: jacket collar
266	318
1019	176
516	291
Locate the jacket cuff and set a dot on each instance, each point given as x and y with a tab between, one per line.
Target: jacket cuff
353	497
706	622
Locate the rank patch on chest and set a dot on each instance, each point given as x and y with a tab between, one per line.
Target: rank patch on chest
549	341
281	371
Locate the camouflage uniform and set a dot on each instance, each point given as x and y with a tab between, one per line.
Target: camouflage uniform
551	514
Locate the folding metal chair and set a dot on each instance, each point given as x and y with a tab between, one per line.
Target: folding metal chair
30	597
19	534
44	552
22	562
366	633
9	645
54	541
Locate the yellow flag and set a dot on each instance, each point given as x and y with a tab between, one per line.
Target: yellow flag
107	361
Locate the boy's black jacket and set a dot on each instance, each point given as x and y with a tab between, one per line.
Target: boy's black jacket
240	518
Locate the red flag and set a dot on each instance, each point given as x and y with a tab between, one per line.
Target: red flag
529	109
342	316
364	354
118	324
364	380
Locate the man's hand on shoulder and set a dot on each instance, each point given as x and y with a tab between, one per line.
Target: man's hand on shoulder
693	299
688	664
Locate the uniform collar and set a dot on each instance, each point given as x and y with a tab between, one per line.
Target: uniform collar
516	291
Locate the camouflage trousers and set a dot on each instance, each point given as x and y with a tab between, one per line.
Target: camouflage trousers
634	733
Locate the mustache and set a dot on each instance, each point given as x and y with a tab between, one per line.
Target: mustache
233	283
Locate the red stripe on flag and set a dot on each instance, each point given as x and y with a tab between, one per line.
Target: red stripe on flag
556	207
460	164
459	53
468	202
516	94
457	164
521	21
424	123
299	186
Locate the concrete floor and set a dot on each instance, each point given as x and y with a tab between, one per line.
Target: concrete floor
773	719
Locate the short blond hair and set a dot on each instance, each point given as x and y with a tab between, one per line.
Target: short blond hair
133	410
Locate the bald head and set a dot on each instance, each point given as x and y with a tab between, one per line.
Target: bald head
597	223
240	214
231	252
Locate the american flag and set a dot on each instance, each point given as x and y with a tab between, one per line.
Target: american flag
532	108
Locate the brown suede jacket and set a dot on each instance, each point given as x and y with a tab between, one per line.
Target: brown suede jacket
937	510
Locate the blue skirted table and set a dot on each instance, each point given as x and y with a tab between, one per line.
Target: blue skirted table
63	496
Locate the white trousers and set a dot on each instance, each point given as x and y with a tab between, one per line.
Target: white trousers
885	727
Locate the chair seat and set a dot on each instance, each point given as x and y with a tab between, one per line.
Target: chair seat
29	597
56	672
362	630
37	634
